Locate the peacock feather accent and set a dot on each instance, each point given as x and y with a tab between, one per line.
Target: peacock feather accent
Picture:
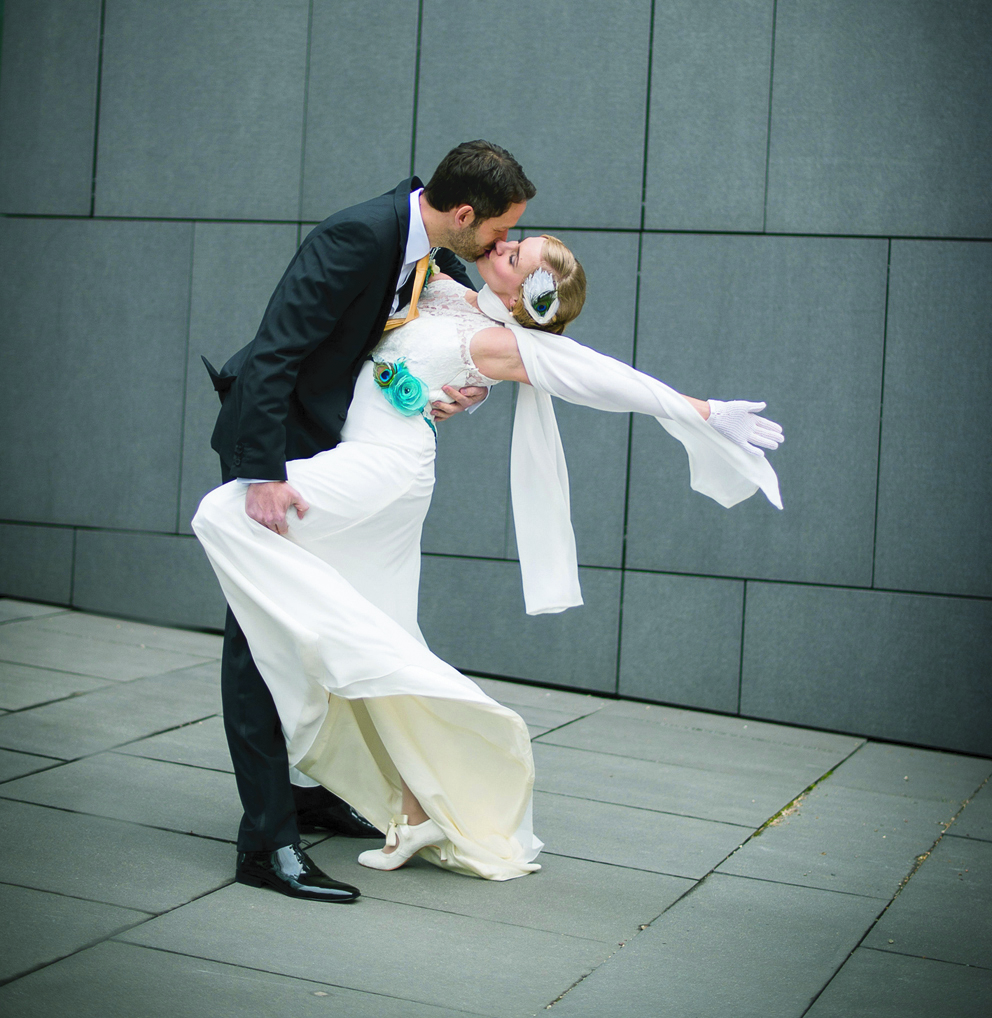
541	296
407	393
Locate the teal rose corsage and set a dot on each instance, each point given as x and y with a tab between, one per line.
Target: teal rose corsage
405	392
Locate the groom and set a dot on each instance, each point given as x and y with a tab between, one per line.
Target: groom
285	396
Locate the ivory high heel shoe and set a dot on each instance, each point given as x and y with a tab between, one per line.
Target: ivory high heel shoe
408	841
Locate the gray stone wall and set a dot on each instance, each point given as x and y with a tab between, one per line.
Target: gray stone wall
784	200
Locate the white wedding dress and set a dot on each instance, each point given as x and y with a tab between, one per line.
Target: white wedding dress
330	609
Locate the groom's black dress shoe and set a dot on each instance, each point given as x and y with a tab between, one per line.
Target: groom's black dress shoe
318	809
291	871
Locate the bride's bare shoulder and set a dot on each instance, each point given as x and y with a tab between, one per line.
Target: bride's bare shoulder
493	340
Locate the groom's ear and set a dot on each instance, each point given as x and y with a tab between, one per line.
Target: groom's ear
464	216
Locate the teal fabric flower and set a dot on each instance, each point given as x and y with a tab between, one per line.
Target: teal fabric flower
405	392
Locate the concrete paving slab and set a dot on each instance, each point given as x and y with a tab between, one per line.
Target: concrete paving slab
519	694
28	643
15	765
189	800
943	912
103	627
698	720
118	713
201	744
107	860
26	686
975	820
640	838
208	672
747	799
11	608
845	839
40	927
433	957
124	979
731	947
873	984
918	773
572	897
685	747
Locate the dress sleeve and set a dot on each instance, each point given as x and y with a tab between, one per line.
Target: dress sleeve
326	275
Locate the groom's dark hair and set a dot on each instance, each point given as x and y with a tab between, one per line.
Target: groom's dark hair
480	174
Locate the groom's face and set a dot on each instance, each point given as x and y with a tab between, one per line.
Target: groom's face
479	237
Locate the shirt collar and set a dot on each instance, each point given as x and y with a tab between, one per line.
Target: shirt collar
417	244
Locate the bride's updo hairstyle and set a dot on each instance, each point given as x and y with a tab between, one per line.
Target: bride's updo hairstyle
571	280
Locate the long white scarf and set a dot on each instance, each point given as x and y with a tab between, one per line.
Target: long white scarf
558	366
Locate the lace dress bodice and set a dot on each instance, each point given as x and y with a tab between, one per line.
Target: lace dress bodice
436	347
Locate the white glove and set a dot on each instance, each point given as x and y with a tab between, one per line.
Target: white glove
738	421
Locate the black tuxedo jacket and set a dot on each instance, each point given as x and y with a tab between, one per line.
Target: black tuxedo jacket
286	394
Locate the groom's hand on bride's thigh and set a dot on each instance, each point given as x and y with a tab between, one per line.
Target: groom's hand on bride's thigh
269	503
461	399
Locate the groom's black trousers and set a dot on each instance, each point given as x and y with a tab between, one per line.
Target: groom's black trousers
257	745
258	749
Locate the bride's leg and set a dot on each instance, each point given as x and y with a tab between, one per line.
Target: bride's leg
414	812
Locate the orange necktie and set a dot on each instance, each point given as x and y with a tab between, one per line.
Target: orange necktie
418	285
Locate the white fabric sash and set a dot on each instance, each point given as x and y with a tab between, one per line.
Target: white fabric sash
558	366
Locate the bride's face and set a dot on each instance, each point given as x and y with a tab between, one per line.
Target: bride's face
508	264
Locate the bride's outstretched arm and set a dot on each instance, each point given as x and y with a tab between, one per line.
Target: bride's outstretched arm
578	374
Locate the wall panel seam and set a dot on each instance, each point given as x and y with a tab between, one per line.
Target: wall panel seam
306	104
768	127
182	412
881	412
537	228
647	123
72	568
96	108
740	668
416	86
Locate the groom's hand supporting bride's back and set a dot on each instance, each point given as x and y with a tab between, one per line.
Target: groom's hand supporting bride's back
269	502
461	399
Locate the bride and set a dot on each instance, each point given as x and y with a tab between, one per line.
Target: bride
330	608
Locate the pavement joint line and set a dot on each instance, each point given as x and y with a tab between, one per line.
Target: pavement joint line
918	862
28	774
738	735
791	807
25	752
497	922
116	820
635	869
969	837
793	883
286	975
116	682
685	767
132	742
42	619
78	897
61	671
648	809
113	643
83	947
620	945
557	728
928	957
34	618
158	759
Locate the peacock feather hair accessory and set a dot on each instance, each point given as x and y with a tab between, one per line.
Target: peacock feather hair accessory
541	296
